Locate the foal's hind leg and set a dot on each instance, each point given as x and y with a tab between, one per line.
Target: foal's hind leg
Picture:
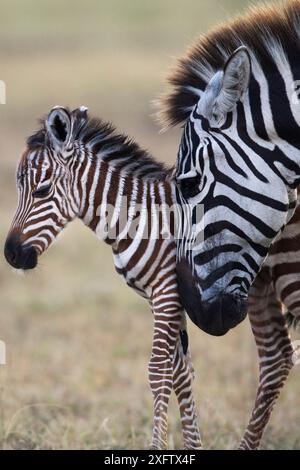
275	356
183	375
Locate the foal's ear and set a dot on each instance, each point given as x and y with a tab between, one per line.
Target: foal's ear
227	87
79	119
59	127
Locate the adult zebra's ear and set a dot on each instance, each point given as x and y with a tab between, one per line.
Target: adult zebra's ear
59	127
226	88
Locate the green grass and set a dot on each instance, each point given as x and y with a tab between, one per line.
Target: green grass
78	339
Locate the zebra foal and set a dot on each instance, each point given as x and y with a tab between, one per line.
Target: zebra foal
80	167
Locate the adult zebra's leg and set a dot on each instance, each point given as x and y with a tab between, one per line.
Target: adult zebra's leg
275	356
183	375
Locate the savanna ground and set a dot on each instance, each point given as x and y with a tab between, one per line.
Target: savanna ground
78	340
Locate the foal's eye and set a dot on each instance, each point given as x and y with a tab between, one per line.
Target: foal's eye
43	191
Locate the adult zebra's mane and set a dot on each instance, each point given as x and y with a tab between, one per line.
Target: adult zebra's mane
271	33
102	139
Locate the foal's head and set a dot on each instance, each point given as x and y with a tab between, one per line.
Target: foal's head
47	197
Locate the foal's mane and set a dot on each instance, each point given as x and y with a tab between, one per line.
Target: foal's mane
104	142
270	32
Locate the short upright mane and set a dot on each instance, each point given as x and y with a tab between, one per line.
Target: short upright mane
261	29
104	142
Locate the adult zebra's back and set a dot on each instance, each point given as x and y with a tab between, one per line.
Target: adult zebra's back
239	156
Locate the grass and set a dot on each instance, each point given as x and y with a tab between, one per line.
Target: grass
78	339
78	342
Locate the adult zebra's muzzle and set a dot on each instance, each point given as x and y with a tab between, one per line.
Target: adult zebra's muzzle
215	317
18	255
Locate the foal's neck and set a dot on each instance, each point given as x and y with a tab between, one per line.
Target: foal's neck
120	206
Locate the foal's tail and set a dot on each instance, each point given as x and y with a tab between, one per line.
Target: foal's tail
184	338
292	321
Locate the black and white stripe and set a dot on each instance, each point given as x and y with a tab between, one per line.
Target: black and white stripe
275	291
239	156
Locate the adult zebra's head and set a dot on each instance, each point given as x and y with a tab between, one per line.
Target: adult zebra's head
226	168
46	198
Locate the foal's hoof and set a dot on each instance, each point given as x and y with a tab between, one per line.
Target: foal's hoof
194	446
158	447
243	446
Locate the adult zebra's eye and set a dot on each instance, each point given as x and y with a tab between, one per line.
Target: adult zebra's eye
41	192
190	186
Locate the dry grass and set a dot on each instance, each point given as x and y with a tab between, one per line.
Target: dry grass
78	340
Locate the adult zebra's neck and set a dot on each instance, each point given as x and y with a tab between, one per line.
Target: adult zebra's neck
270	114
271	35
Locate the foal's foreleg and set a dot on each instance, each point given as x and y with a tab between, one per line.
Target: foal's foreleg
183	375
160	370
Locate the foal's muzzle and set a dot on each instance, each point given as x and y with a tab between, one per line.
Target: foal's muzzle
18	255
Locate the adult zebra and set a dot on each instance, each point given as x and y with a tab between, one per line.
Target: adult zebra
79	167
239	156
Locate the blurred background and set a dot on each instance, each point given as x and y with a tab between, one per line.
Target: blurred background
78	339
